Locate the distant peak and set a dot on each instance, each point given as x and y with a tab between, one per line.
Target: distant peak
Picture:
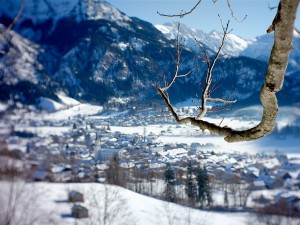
43	10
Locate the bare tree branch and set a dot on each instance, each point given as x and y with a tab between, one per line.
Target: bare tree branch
233	15
283	27
210	66
271	7
206	56
206	90
178	62
10	26
182	14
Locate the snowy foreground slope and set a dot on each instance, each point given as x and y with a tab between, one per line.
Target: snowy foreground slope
49	200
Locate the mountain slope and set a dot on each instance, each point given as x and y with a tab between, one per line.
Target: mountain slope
22	76
91	51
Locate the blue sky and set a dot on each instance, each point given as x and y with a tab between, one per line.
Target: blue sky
205	17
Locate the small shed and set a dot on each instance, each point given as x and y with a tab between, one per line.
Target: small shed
79	211
75	196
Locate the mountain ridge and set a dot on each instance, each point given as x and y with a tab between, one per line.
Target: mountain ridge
258	48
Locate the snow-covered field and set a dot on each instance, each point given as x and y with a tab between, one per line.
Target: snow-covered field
50	206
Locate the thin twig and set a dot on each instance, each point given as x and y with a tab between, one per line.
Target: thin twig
206	56
10	26
182	14
215	87
178	62
206	92
271	7
221	122
233	15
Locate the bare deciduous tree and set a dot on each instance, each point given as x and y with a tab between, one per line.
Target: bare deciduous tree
108	207
20	204
283	28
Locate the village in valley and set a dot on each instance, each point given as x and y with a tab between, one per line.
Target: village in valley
131	148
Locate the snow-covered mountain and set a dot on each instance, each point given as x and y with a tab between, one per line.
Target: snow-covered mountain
233	47
257	48
91	51
54	10
260	48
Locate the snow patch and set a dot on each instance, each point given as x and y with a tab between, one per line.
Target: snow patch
123	46
3	107
164	29
67	100
49	105
78	110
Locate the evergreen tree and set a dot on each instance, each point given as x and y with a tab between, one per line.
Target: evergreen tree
208	193
201	185
226	201
170	193
113	172
108	127
204	189
190	185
